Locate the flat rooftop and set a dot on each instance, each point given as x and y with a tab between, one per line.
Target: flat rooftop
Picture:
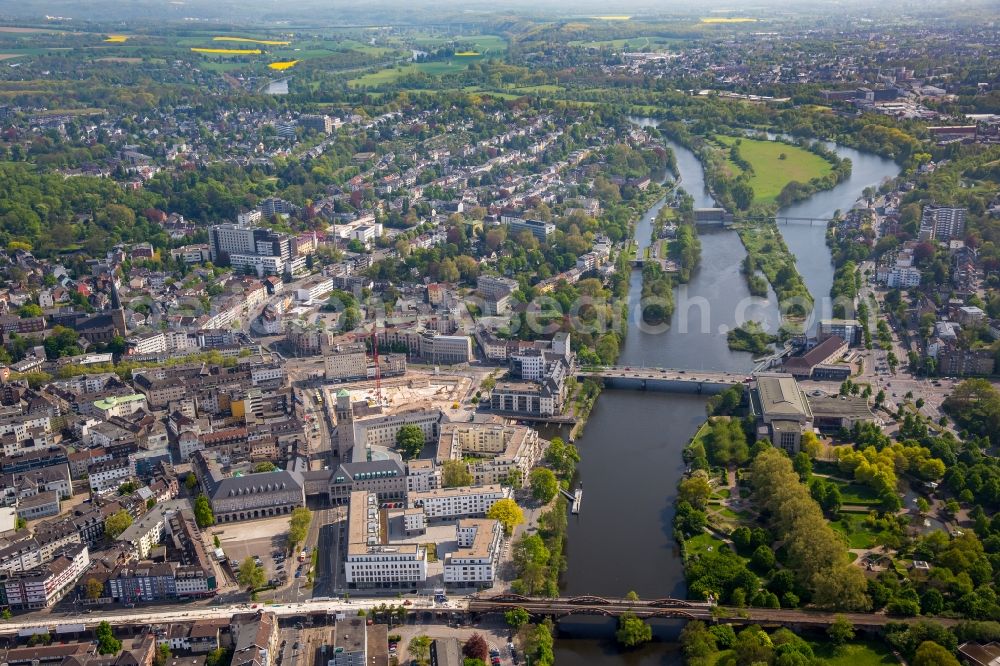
842	406
781	397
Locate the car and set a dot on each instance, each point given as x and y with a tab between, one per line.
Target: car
495	661
298	573
494	652
296	646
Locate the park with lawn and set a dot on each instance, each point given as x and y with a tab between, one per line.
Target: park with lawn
772	165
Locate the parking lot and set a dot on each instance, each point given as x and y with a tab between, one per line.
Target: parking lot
264	539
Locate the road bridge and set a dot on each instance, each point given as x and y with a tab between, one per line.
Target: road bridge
784	219
663	379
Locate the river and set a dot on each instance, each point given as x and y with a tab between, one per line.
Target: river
631	448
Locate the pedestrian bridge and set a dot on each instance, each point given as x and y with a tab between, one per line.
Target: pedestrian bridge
663	379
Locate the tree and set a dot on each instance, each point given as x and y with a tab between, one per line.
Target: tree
106	641
695	490
516	618
544	485
190	481
162	656
931	654
632	630
697	641
266	466
29	310
127	488
218	657
840	631
298	526
632	596
508	513
476	648
456	474
203	512
932	602
410	441
538	644
93	589
753	646
420	649
762	559
802	466
117	523
250	575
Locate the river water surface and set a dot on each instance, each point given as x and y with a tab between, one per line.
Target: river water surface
631	448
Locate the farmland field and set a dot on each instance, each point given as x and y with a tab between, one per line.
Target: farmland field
770	172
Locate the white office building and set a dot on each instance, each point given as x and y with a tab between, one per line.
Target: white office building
373	562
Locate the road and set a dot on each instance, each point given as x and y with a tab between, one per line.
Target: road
484	604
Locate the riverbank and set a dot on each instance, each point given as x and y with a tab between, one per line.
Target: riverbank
631	449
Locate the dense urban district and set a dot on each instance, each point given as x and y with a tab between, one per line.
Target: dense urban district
303	317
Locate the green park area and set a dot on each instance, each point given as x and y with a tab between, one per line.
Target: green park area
774	165
467	50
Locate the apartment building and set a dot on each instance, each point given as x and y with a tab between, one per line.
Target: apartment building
527	399
373	562
255	639
150	529
493	287
453	503
120	405
108	475
492	451
44	585
474	564
942	223
537	228
422	475
142	582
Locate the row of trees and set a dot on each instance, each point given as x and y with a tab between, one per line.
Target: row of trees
815	553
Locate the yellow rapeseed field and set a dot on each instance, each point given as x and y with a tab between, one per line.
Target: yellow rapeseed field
467	53
266	42
116	39
228	51
288	64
